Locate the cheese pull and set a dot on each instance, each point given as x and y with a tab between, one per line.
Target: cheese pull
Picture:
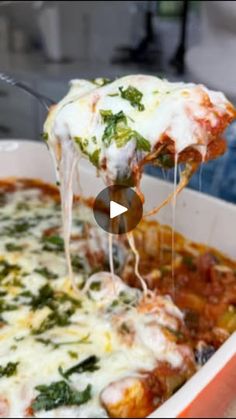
122	125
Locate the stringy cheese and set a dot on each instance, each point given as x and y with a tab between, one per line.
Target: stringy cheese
97	321
119	124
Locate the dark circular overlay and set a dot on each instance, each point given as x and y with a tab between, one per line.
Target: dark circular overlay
121	195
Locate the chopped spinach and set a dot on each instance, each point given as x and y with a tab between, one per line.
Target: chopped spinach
63	306
81	144
56	318
44	298
5	306
25	294
53	244
88	365
133	95
56	345
77	263
19	227
22	206
118	130
73	354
59	394
141	143
112	121
94	157
95	286
12	247
9	370
7	268
46	273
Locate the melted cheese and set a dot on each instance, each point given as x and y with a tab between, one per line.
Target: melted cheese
119	125
96	324
176	110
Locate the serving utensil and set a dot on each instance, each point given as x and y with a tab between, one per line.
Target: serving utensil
45	101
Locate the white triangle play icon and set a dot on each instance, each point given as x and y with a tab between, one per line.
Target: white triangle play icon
116	209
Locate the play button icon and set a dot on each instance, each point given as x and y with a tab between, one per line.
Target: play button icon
118	209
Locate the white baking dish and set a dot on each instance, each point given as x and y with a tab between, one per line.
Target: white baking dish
198	217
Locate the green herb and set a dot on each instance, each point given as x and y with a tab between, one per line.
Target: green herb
22	206
118	130
21	226
9	370
133	95
94	139
106	115
88	365
7	269
26	294
12	247
59	394
127	299
73	354
113	94
13	348
123	136
46	273
56	345
94	157
141	143
79	141
4	306
53	244
15	282
95	286
77	263
45	136
54	319
113	122
44	298
62	297
62	305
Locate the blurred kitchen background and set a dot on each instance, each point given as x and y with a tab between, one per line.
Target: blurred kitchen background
47	43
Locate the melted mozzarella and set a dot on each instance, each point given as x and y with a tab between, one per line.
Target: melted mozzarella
175	110
96	324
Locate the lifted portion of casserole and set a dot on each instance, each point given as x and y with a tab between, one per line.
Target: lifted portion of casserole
122	125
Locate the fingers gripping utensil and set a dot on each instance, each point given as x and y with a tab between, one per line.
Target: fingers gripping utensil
45	101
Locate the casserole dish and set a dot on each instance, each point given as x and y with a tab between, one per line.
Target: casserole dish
198	217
